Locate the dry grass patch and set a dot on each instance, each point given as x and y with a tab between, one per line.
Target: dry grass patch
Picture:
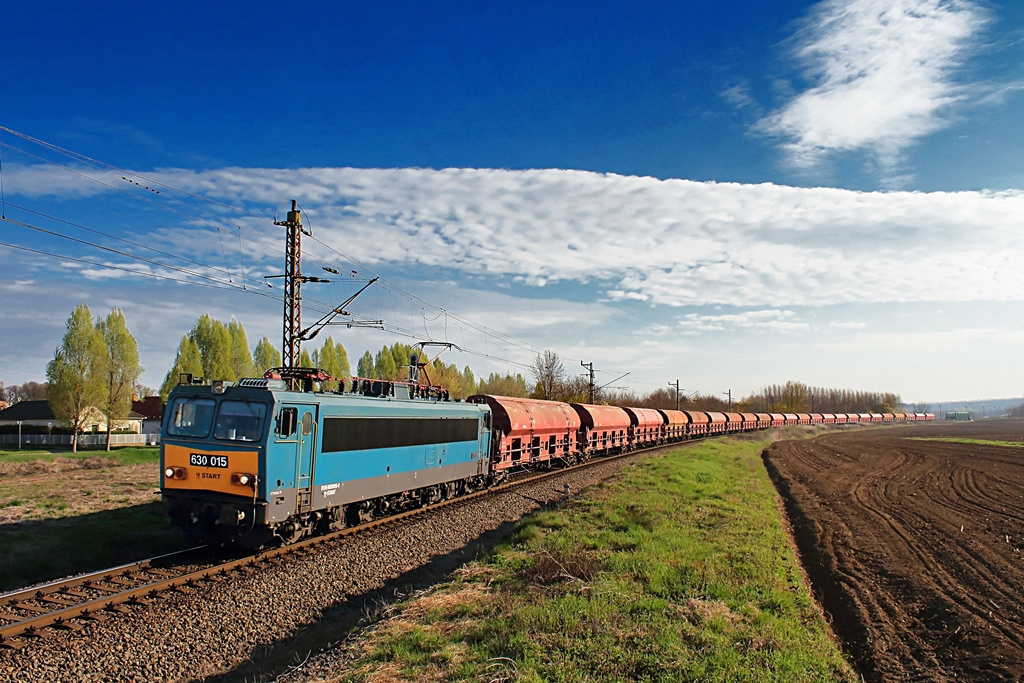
94	485
53	466
698	612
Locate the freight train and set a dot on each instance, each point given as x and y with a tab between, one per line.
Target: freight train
267	461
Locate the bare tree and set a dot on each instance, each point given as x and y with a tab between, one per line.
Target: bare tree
549	373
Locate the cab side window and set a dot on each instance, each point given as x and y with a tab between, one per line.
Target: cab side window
287	422
307	424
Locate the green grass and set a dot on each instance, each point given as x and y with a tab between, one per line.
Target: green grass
979	442
128	455
679	570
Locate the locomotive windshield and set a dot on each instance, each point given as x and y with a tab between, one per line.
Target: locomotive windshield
190	416
235	420
240	420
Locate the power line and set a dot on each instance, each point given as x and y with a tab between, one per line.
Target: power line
109	266
163	190
119	239
114	170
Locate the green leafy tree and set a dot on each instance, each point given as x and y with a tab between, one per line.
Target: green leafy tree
187	361
402	354
467	382
123	368
241	360
76	377
384	366
334	360
214	342
266	357
503	385
365	366
305	360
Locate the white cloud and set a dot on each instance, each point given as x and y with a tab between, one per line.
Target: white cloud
883	72
661	242
772	319
934	340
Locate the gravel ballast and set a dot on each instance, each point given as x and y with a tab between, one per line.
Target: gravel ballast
260	625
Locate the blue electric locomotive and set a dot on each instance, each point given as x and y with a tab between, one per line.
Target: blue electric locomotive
256	463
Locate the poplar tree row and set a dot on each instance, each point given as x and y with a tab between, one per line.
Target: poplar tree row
216	350
96	366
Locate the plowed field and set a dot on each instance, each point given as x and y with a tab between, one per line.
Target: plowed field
913	546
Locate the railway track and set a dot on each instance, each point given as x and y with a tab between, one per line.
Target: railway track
35	613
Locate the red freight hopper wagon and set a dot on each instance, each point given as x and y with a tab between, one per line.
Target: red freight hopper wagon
804	419
676	423
718	422
529	430
604	428
778	419
648	426
749	421
791	418
700	423
764	420
734	422
828	418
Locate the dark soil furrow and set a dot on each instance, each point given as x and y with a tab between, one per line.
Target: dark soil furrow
911	545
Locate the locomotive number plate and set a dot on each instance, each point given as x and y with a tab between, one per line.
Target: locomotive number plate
204	460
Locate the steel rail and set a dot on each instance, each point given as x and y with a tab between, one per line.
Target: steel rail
94	608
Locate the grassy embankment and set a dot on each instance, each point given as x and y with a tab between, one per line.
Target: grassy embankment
63	513
678	570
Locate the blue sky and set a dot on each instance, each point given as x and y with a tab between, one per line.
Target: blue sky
731	194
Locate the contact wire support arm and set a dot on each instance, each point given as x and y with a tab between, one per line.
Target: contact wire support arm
314	329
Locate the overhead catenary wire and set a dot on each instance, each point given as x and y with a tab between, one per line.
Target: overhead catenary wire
3	197
111	266
164	191
386	284
113	170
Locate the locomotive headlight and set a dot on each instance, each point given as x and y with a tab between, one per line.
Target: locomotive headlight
242	479
174	473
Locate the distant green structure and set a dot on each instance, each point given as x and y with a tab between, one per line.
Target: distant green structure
958	415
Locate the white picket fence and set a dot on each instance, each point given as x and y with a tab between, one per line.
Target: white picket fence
83	439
